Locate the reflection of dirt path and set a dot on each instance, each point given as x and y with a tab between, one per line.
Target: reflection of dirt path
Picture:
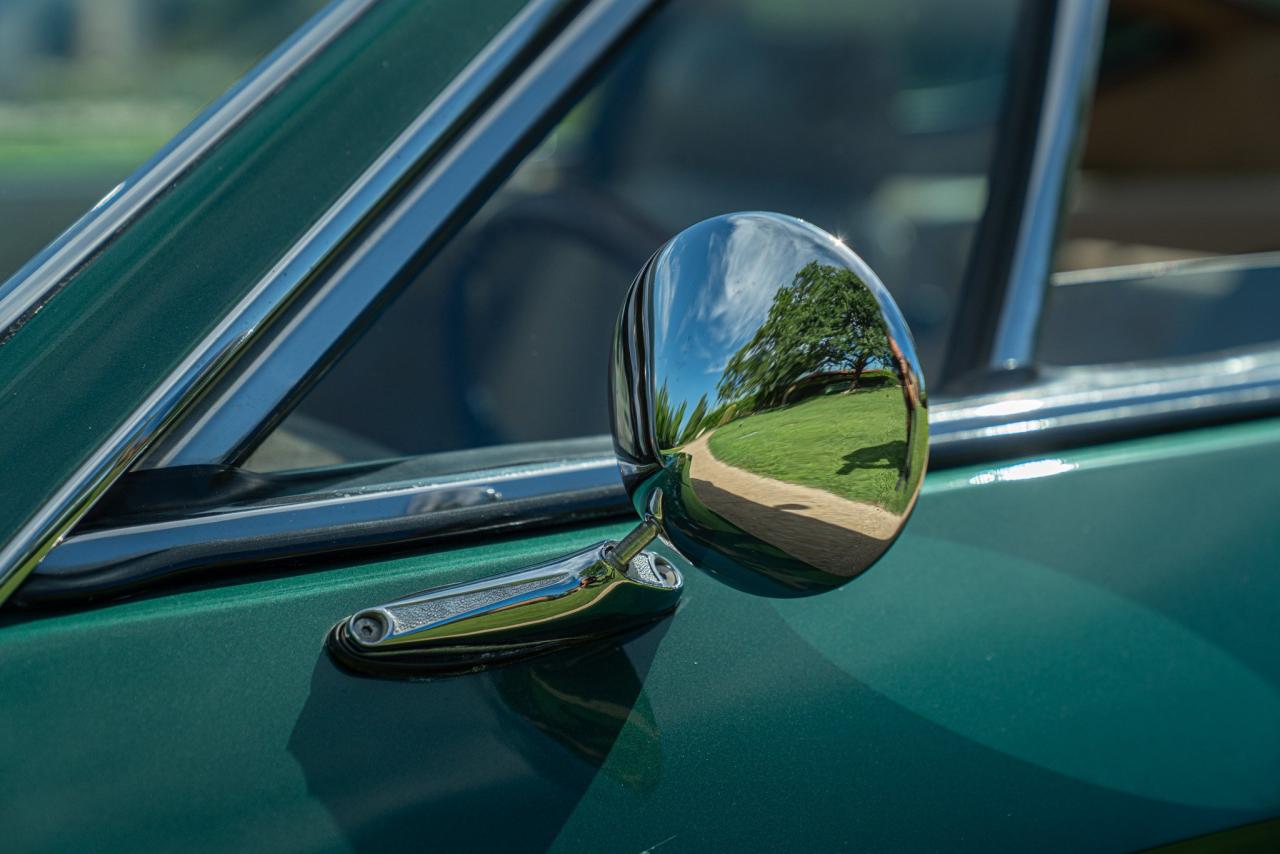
822	529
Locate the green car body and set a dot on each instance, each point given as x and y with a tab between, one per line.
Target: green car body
1091	672
1070	647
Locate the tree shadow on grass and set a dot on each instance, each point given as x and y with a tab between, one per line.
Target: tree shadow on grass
890	455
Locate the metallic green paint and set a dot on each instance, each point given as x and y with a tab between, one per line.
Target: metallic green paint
102	344
1067	653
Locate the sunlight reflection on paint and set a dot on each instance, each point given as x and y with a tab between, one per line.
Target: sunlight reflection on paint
1008	407
1239	364
1023	471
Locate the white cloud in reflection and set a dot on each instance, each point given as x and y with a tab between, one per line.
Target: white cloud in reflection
756	261
714	298
663	310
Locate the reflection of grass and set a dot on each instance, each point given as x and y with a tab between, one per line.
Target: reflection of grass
847	444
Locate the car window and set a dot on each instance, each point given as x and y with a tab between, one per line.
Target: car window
876	122
88	91
1170	245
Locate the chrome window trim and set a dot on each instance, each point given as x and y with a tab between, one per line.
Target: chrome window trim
239	409
220	347
36	281
118	560
1154	270
1073	60
1069	407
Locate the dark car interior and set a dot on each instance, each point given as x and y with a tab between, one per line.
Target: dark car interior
877	124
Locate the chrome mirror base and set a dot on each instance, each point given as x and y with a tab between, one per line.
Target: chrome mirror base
607	589
756	453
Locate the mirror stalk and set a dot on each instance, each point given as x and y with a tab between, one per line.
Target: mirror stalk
770	422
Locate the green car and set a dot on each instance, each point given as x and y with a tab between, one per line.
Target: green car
504	426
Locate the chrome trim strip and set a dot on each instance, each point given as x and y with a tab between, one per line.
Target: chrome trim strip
115	560
162	407
22	294
1070	408
241	403
1160	269
1073	59
1074	406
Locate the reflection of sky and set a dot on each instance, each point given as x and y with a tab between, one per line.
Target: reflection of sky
715	290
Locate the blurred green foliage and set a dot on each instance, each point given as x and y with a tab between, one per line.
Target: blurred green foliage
89	89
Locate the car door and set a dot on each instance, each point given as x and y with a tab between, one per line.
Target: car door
356	348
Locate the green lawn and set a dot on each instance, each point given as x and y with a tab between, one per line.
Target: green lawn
851	445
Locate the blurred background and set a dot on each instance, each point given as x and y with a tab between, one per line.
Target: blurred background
89	89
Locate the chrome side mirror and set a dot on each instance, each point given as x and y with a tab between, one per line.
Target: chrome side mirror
769	412
769	417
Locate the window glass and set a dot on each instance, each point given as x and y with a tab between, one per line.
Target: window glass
874	121
89	89
1169	246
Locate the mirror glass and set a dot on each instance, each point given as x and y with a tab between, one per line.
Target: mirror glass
768	405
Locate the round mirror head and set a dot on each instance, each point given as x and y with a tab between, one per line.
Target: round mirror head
768	407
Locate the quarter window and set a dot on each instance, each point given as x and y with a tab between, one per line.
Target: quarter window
1170	246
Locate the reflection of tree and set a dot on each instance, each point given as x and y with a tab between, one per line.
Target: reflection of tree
825	321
